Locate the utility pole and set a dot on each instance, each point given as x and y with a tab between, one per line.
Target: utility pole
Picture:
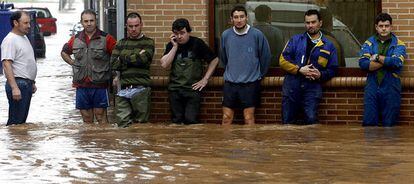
120	19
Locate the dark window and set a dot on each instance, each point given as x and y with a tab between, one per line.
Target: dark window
349	22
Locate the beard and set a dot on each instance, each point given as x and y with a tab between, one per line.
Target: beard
90	29
313	32
239	29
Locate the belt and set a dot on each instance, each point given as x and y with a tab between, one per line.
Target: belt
28	80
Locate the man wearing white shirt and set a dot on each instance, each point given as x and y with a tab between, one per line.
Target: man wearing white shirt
20	68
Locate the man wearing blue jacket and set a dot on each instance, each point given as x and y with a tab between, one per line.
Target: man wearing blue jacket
382	55
309	59
246	56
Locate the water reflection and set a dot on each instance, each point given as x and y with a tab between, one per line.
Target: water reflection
373	134
58	148
160	153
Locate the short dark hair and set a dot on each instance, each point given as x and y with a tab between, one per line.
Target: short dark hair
134	15
262	13
238	8
180	24
88	11
383	17
15	16
313	12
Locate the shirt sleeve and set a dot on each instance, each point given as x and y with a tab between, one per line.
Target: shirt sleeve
110	43
8	50
223	54
287	56
332	65
168	47
68	47
365	55
265	55
115	62
205	51
396	60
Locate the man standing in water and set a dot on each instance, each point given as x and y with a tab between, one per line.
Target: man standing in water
186	55
309	60
246	56
91	68
382	55
20	68
131	58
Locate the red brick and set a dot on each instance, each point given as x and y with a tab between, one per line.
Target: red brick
346	117
345	102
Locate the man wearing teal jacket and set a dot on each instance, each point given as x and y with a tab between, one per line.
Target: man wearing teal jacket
382	55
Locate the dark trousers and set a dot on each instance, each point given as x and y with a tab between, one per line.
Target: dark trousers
304	100
18	110
381	103
185	106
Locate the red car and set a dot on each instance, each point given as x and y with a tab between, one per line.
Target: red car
47	23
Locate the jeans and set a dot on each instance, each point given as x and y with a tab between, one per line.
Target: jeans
303	99
18	110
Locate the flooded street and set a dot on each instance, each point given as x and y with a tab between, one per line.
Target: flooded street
148	153
54	100
55	147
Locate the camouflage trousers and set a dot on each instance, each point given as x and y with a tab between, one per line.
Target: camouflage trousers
133	110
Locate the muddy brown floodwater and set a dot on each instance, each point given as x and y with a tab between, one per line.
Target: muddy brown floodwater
55	147
161	153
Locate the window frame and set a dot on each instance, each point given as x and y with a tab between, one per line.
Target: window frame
276	71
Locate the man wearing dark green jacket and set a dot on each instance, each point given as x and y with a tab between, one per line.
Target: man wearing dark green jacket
132	58
186	55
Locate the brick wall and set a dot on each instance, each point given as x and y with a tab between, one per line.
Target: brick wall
402	12
343	96
158	16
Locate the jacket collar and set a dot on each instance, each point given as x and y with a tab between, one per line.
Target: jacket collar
82	35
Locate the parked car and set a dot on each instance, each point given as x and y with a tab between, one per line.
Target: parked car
35	36
47	23
289	17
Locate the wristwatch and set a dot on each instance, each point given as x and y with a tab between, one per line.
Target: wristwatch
377	58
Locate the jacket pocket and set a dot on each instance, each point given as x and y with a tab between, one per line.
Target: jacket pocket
322	61
78	53
100	72
323	58
79	73
97	53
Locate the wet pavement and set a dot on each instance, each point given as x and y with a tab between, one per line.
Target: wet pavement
55	147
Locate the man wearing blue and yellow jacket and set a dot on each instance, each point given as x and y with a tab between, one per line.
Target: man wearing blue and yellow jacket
309	60
382	55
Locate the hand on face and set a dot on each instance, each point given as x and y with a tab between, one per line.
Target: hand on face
173	39
180	37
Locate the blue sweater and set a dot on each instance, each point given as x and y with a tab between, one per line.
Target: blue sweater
246	58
